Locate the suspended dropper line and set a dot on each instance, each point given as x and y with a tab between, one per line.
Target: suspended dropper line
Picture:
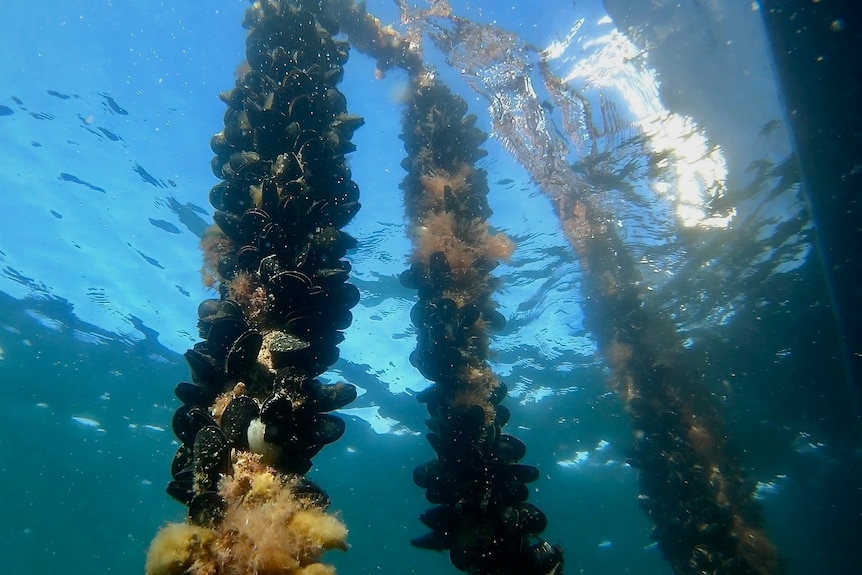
254	413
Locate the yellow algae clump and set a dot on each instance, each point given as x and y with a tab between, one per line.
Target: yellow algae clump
321	531
317	569
268	529
176	547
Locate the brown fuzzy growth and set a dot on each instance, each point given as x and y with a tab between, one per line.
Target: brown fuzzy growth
479	383
464	243
471	252
214	245
439	183
246	290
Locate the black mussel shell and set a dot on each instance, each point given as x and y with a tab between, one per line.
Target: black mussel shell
331	397
193	394
228	266
242	355
229	224
228	197
442	493
412	278
302	324
437	363
328	239
248	258
524	518
434	541
230	308
218	164
337	317
277	408
327	428
489	440
331	278
499	393
304	257
188	420
427	474
247	163
463	556
511	492
236	418
269	196
501	415
219	145
335	100
339	215
223	333
284	434
284	70
440	518
294	463
253	222
510	449
182	461
345	125
208	308
270	238
349	192
474	206
348	295
207	509
542	557
469	315
472	419
495	319
287	167
520	472
439	269
307	488
293	205
314	156
182	491
296	136
418	313
203	369
303	109
211	458
287	350
291	286
269	267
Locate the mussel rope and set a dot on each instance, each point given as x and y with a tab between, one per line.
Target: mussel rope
481	514
255	413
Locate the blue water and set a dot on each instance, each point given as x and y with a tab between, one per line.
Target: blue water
106	111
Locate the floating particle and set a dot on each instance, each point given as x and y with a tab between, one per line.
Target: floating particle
86	421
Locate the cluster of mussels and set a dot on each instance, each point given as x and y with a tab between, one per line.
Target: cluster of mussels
704	520
275	252
690	488
481	514
687	500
